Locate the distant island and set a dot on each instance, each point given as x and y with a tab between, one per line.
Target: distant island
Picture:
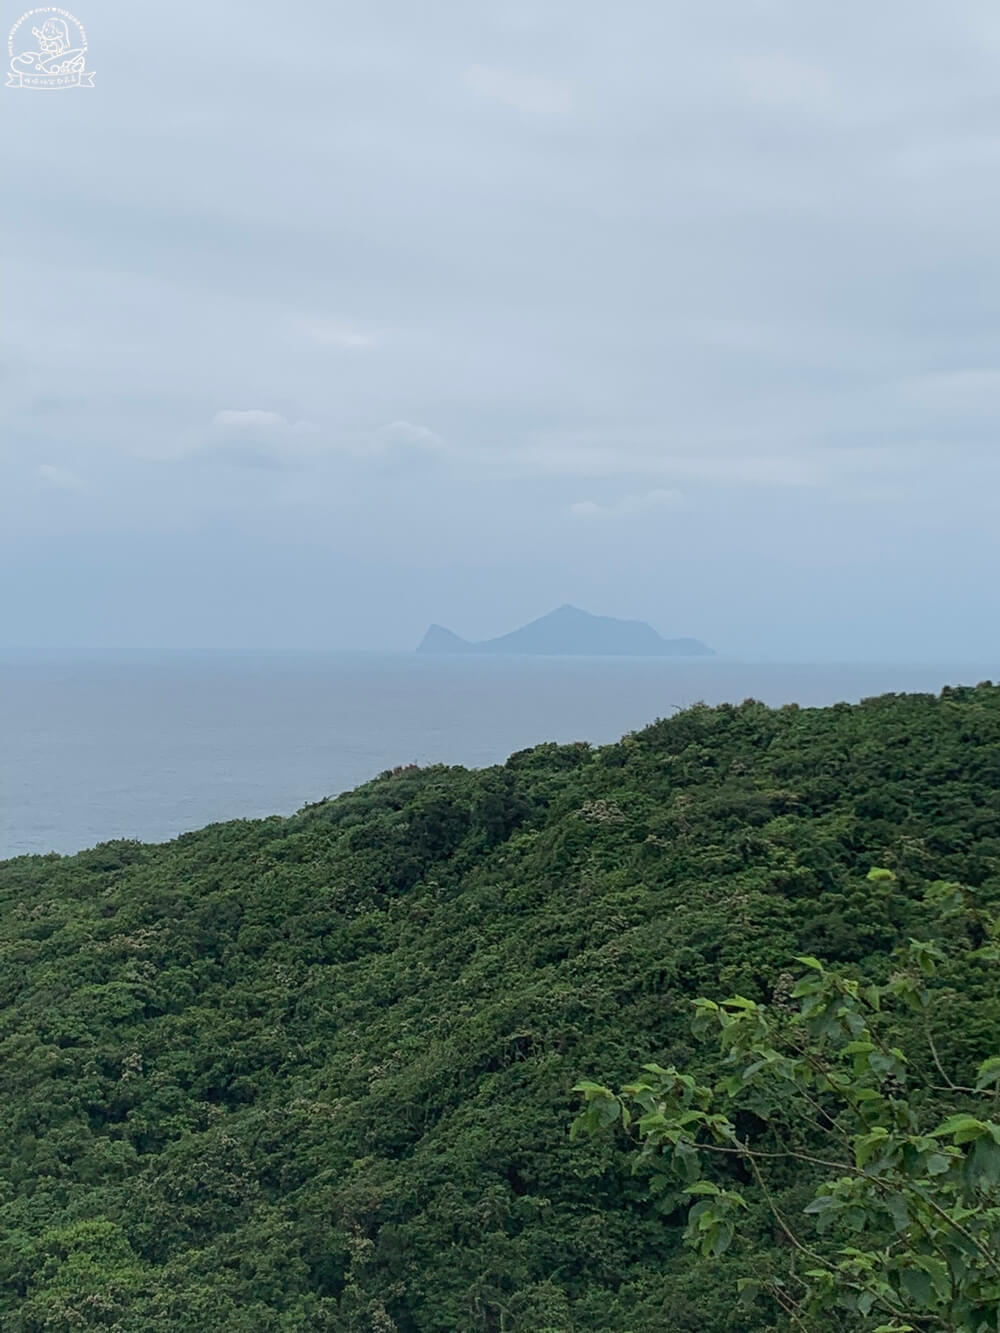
569	631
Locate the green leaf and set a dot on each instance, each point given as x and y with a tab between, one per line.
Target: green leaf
866	1146
917	1285
963	1128
936	1163
591	1090
898	1211
989	1073
749	1290
937	1271
983	1167
822	1204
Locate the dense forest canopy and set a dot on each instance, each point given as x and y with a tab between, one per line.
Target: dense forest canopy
316	1073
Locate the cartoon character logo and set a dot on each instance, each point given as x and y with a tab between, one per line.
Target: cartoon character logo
61	55
53	37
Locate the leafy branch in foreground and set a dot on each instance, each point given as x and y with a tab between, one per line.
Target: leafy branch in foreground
903	1232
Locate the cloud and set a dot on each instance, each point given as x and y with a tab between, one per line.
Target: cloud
256	422
331	333
531	93
640	453
248	437
259	438
808	469
781	82
272	426
256	438
931	157
956	394
61	478
627	505
405	436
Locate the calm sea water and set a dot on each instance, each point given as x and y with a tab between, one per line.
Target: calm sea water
148	749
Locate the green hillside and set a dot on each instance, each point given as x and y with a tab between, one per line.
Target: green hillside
316	1073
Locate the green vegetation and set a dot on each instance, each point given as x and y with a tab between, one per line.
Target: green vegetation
317	1073
817	1087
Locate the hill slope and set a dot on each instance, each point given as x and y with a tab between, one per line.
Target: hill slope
568	631
315	1073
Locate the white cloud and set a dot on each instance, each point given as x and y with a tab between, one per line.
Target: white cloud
627	505
405	435
257	422
331	333
259	438
248	437
61	478
525	92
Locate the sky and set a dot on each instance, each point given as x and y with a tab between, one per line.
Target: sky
321	323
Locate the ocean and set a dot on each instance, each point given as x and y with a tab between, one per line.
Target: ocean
94	750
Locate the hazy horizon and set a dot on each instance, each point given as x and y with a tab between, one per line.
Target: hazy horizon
112	651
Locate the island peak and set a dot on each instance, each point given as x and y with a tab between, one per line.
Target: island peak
569	631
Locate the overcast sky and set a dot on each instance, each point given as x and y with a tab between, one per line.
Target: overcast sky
323	322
